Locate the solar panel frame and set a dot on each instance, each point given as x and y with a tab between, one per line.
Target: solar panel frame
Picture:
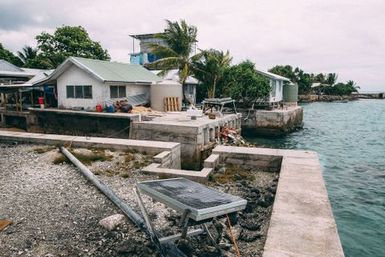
234	204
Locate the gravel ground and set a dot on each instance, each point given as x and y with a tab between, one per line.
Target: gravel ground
55	210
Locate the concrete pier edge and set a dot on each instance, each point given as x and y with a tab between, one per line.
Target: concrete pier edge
302	222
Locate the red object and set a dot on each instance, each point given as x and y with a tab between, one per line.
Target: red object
99	108
41	100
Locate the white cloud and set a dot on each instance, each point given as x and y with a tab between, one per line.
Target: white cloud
346	37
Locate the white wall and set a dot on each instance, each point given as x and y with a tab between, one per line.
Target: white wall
76	76
131	89
278	85
100	90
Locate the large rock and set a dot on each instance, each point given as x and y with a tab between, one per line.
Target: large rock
112	222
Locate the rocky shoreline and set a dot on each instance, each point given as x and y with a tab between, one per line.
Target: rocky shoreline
325	98
56	212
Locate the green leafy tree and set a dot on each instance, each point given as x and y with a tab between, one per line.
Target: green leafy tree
331	79
351	84
176	53
9	56
320	78
68	41
209	70
242	83
342	88
304	80
286	71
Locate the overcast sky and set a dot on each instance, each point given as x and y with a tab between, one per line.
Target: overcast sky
342	36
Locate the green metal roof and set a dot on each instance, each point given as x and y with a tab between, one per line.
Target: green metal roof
115	71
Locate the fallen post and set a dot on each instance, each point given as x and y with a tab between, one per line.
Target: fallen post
165	250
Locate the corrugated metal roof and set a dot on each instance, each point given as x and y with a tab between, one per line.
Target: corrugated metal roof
9	70
272	75
115	71
7	66
174	75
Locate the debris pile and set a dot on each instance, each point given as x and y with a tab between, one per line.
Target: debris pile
230	136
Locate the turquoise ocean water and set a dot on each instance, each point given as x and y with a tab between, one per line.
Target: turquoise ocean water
350	140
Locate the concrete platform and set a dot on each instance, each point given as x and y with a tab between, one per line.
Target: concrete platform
196	136
274	122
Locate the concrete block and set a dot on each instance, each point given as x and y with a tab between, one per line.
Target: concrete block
161	157
199	176
212	161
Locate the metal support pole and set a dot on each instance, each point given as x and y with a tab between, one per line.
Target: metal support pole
172	250
104	189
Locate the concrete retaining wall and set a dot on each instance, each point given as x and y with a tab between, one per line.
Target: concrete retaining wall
267	161
274	122
145	147
81	123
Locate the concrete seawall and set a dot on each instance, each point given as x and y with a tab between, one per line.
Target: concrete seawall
274	122
302	222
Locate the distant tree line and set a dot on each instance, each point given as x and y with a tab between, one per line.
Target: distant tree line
326	82
213	68
53	49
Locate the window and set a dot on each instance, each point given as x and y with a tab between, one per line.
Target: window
87	92
70	92
117	91
84	92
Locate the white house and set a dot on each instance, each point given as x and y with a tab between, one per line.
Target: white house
85	83
276	83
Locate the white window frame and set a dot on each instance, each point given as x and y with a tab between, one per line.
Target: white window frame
74	96
118	91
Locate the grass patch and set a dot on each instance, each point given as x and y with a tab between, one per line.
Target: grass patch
129	157
231	174
86	159
41	150
89	159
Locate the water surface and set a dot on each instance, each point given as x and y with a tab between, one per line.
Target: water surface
350	140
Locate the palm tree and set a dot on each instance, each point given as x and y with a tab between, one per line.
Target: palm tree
27	53
352	85
331	79
210	68
176	53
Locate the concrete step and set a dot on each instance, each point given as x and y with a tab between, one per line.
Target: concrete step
199	176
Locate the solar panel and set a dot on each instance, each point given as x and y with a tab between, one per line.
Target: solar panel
139	99
181	194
